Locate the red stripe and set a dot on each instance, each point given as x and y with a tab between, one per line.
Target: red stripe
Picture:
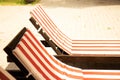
36	41
52	58
40	45
52	32
49	30
50	21
3	76
54	39
44	20
41	21
52	25
52	28
32	62
49	71
36	17
42	25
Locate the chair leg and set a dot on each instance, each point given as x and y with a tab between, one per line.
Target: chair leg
34	23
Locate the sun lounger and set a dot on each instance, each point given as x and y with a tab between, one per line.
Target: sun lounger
64	45
31	53
4	75
85	62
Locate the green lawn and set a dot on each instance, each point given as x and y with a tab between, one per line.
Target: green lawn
15	2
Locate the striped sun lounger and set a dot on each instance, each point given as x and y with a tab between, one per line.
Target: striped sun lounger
31	53
62	44
4	75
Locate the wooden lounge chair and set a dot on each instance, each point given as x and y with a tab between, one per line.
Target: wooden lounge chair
84	62
4	75
62	44
35	59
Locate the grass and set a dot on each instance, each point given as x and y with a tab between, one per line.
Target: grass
15	2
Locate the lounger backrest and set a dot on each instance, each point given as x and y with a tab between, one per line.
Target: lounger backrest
51	29
40	63
4	75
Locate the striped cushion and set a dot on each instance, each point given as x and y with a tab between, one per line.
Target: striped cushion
40	63
109	48
101	74
51	29
4	75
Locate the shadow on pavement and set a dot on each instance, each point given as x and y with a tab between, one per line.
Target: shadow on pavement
79	3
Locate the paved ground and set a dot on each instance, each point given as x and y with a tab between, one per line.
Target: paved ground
83	19
12	19
79	3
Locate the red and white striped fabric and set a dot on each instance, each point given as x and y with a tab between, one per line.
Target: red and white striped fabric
74	47
44	66
109	48
40	63
51	29
101	74
4	75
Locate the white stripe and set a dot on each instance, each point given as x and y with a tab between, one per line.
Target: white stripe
55	27
55	38
108	77
99	53
95	44
46	57
109	71
29	66
36	61
97	48
96	41
51	60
